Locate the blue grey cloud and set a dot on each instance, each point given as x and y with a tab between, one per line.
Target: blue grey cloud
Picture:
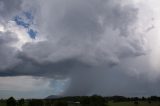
87	41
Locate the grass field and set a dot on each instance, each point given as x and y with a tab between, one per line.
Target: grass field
2	104
120	104
132	104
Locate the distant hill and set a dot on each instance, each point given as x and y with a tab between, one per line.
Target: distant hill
53	97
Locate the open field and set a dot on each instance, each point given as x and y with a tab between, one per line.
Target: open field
132	104
142	103
94	100
2	104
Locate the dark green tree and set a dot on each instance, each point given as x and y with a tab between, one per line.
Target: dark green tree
21	102
49	103
35	102
84	100
11	102
60	103
94	100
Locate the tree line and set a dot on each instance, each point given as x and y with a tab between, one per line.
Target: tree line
94	100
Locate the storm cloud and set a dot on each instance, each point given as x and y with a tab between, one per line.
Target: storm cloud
98	44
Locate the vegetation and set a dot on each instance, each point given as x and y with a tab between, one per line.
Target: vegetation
94	100
11	102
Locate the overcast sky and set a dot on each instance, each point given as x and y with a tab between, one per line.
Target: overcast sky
79	47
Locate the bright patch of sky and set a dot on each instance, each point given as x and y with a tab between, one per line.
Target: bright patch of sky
25	86
25	19
59	86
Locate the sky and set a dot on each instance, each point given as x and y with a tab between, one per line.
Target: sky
79	47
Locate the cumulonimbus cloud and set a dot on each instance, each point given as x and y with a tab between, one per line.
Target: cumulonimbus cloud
74	35
92	32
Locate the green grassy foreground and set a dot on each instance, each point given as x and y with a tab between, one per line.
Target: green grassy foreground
142	103
2	104
94	100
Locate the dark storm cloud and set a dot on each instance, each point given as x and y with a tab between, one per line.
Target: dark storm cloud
55	70
7	54
84	40
93	32
9	7
111	81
